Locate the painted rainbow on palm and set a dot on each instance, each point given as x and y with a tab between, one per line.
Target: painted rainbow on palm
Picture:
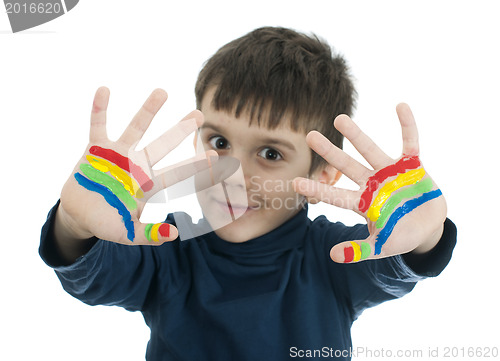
408	186
120	181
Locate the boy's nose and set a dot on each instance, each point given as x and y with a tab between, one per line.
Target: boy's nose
235	188
237	179
241	178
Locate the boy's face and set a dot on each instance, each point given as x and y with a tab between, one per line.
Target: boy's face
270	160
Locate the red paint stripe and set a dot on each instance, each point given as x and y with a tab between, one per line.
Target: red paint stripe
375	180
164	230
348	254
126	164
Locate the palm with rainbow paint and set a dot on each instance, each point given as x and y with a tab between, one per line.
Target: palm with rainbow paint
404	209
112	182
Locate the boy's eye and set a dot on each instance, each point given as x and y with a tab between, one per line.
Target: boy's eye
270	154
218	142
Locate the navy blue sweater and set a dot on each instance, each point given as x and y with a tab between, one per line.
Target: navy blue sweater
264	299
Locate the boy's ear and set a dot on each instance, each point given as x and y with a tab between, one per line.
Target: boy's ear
327	175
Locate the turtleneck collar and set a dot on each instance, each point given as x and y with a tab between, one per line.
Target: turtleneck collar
290	234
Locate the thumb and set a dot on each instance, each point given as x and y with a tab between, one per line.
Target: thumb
154	233
351	251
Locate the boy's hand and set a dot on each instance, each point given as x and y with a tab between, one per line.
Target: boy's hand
404	209
110	185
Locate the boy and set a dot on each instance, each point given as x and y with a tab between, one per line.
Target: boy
260	287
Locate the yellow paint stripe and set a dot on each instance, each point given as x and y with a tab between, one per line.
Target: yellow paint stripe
408	178
357	251
128	183
154	232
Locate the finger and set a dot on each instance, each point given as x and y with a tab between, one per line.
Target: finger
182	170
98	116
408	129
364	144
352	251
141	121
164	144
206	172
337	157
153	234
338	197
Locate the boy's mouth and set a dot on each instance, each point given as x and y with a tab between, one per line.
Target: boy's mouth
235	210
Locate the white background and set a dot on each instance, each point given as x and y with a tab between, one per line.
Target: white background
441	57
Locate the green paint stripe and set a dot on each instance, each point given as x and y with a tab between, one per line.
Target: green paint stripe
109	182
410	192
147	231
365	250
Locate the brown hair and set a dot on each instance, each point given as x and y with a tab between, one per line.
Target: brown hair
283	74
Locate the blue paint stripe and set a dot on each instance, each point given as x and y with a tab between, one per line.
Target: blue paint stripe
399	213
111	199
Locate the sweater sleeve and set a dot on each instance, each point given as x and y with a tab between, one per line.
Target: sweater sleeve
369	283
109	274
